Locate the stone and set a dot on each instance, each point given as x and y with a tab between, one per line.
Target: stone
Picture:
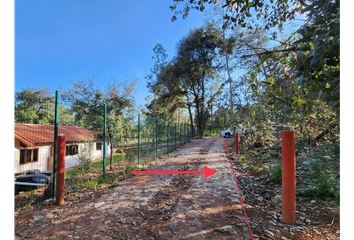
180	216
296	228
121	220
41	216
192	229
192	214
55	222
313	201
226	229
97	205
269	233
111	211
277	198
187	197
283	238
172	226
195	222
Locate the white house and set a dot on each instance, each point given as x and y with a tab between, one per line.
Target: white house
34	146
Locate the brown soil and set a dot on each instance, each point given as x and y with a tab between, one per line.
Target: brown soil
155	220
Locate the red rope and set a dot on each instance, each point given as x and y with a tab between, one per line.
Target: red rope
239	193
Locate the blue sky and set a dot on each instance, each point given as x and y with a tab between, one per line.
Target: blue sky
57	41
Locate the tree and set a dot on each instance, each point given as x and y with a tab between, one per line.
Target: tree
271	14
85	156
171	93
160	57
316	66
194	64
34	105
87	103
304	68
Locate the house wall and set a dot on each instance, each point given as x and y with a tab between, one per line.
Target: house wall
71	161
44	153
41	165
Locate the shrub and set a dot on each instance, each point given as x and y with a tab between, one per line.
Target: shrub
323	185
277	173
85	156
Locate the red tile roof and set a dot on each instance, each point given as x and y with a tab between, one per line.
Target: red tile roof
24	140
35	133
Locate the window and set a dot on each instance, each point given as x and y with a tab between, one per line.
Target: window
98	146
71	150
28	155
35	155
22	156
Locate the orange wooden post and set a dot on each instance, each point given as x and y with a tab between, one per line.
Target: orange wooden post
236	143
60	170
288	177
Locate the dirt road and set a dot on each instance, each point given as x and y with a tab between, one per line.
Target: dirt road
185	206
149	206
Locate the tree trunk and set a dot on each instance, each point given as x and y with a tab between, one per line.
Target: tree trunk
229	79
319	136
155	103
198	116
211	111
231	101
190	112
202	114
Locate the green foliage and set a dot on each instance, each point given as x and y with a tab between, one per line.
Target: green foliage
324	185
85	156
96	165
317	64
87	102
34	105
213	132
194	67
277	173
94	183
240	13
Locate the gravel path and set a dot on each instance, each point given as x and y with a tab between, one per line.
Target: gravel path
148	206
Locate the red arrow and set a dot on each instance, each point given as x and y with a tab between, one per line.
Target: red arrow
207	172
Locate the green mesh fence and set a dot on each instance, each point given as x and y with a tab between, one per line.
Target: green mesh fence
143	139
33	149
98	146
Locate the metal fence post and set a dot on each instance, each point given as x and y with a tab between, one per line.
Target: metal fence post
184	131
104	142
157	144
167	135
138	139
175	136
180	135
56	124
